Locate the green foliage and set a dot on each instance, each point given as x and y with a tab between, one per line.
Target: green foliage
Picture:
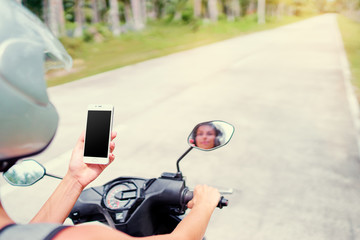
69	8
159	6
70	26
187	15
35	6
73	46
158	39
104	30
88	36
97	32
244	5
350	31
222	17
88	15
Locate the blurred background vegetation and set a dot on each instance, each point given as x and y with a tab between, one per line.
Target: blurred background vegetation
102	35
350	31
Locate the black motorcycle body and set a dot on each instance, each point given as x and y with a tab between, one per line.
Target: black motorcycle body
136	206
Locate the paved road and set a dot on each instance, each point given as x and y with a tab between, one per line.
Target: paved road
293	162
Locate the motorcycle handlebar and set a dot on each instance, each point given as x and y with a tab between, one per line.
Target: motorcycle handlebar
223	202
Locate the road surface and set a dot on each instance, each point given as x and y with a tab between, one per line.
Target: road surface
293	161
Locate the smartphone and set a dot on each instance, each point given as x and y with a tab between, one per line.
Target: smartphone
98	133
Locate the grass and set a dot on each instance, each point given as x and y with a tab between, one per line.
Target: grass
158	39
350	31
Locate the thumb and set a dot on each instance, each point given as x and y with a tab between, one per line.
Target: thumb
190	204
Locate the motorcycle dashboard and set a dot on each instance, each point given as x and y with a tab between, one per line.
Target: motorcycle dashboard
120	195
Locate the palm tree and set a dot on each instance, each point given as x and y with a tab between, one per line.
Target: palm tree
213	10
261	11
128	14
114	17
137	11
197	8
95	11
53	12
45	11
79	18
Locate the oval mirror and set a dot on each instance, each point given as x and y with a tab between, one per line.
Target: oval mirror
211	135
24	173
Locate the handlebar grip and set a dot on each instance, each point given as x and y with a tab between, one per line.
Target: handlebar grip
222	203
188	196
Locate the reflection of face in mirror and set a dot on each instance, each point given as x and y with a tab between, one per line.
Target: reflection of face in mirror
211	135
206	136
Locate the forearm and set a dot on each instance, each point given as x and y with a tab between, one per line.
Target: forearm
194	225
58	206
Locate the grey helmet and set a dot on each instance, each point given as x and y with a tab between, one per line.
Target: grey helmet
28	121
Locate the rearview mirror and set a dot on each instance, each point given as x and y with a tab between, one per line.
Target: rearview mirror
25	173
211	135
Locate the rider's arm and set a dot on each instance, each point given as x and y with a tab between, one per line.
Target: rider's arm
192	227
58	206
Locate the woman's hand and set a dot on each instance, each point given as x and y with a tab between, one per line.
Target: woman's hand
85	173
58	206
205	196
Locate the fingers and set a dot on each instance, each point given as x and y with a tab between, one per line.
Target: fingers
205	195
190	204
112	146
111	157
113	135
82	136
81	139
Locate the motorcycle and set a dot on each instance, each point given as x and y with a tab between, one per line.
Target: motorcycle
137	206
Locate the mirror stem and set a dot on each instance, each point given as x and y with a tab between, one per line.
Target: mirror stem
182	156
50	175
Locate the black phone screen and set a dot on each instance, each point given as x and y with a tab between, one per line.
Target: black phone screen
97	134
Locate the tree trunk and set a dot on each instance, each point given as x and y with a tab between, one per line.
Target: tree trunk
114	17
235	8
53	17
137	14
79	18
224	7
261	11
197	8
45	9
143	12
102	8
95	12
251	8
280	11
61	18
158	8
213	11
151	11
128	14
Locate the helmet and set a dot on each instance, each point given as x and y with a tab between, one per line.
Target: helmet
28	121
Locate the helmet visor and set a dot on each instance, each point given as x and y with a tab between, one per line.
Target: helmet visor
18	22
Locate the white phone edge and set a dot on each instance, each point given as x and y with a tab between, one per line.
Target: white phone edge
99	107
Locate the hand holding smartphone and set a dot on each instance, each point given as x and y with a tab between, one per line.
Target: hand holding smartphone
98	133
